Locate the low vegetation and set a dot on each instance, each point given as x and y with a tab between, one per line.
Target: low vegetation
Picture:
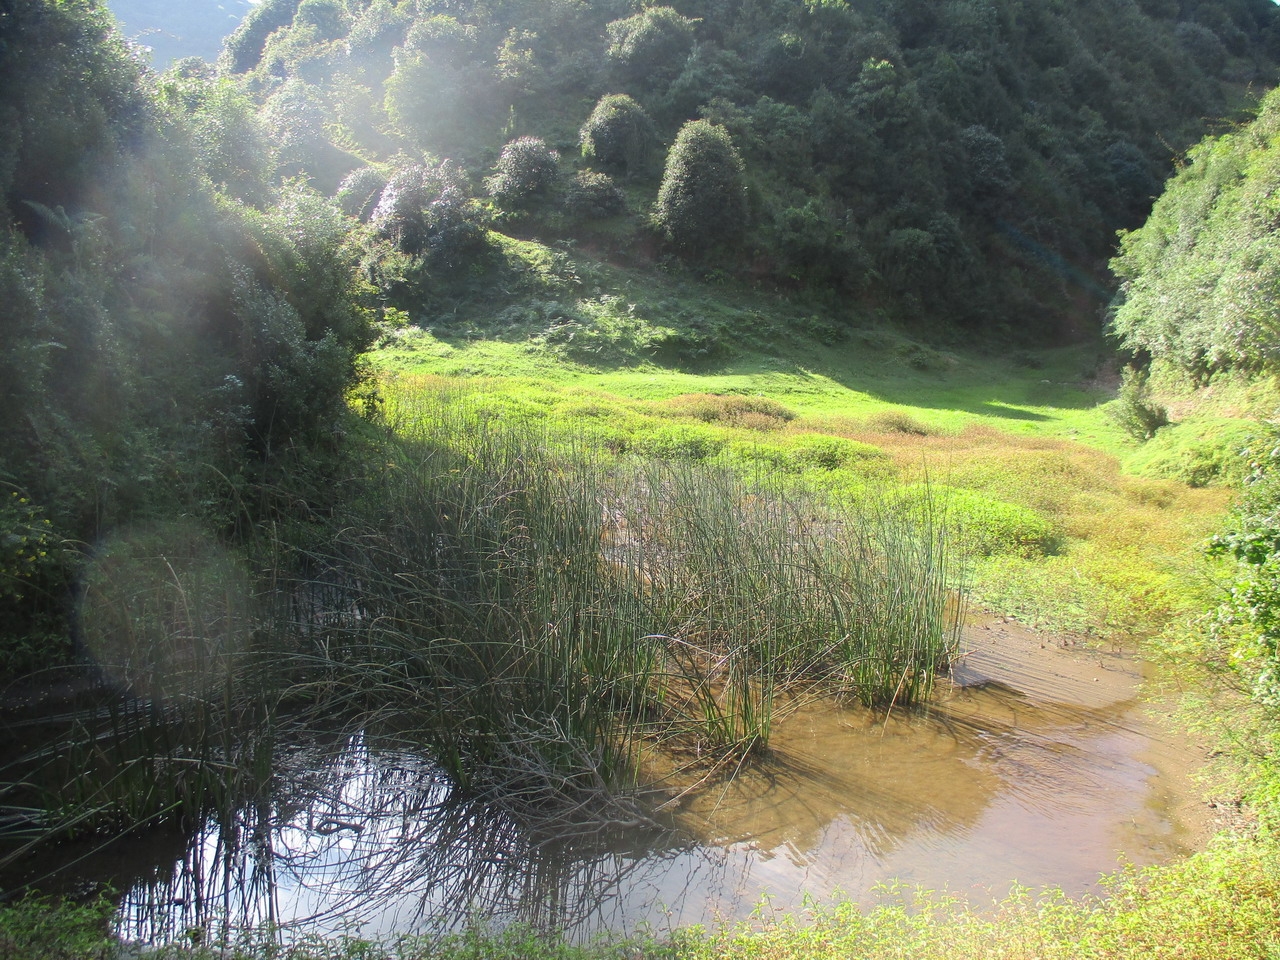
370	380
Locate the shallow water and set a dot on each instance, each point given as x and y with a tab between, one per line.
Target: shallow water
1038	765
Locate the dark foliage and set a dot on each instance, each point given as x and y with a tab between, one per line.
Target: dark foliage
160	343
244	47
618	133
957	162
527	173
592	196
702	203
650	46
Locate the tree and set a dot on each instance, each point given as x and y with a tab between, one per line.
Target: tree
526	173
444	105
618	133
702	202
227	133
1201	278
243	49
328	17
651	46
425	211
986	170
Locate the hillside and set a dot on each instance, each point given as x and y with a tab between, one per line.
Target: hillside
960	165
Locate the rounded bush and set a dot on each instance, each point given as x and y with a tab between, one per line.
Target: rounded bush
679	442
593	196
426	210
832	453
526	172
618	132
702	202
650	46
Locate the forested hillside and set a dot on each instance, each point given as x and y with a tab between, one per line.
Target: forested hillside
163	348
964	163
1201	276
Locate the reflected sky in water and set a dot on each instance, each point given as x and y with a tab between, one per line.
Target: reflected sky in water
1023	772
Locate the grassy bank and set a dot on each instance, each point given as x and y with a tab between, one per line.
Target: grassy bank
1218	905
1034	472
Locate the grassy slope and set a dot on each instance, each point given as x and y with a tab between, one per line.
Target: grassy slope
1062	535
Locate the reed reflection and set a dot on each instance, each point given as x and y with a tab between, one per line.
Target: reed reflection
380	841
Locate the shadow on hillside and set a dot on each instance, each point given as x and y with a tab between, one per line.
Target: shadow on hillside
966	391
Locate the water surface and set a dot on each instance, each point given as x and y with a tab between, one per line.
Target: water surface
1038	765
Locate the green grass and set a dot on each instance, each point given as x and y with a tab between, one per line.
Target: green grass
1026	488
1217	905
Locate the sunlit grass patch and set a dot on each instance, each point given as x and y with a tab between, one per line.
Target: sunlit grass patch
984	526
1058	508
750	412
1197	452
1112	593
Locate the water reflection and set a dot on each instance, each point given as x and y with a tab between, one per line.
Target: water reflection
378	841
1039	765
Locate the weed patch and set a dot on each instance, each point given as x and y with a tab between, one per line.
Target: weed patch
984	526
752	413
1198	453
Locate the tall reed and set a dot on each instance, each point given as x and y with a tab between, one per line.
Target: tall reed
526	608
563	605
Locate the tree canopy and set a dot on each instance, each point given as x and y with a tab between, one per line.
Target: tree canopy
1201	278
957	162
702	202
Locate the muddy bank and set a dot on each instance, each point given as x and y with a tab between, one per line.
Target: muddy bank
1040	763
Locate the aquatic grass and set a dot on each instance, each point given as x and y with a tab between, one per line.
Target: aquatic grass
568	604
527	608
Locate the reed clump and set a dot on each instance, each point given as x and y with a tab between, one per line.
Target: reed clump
526	608
558	606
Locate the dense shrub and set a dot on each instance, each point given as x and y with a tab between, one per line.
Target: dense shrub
360	191
527	172
651	46
327	17
1199	454
702	202
832	453
1134	410
427	211
1248	622
1200	276
593	196
618	133
243	48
